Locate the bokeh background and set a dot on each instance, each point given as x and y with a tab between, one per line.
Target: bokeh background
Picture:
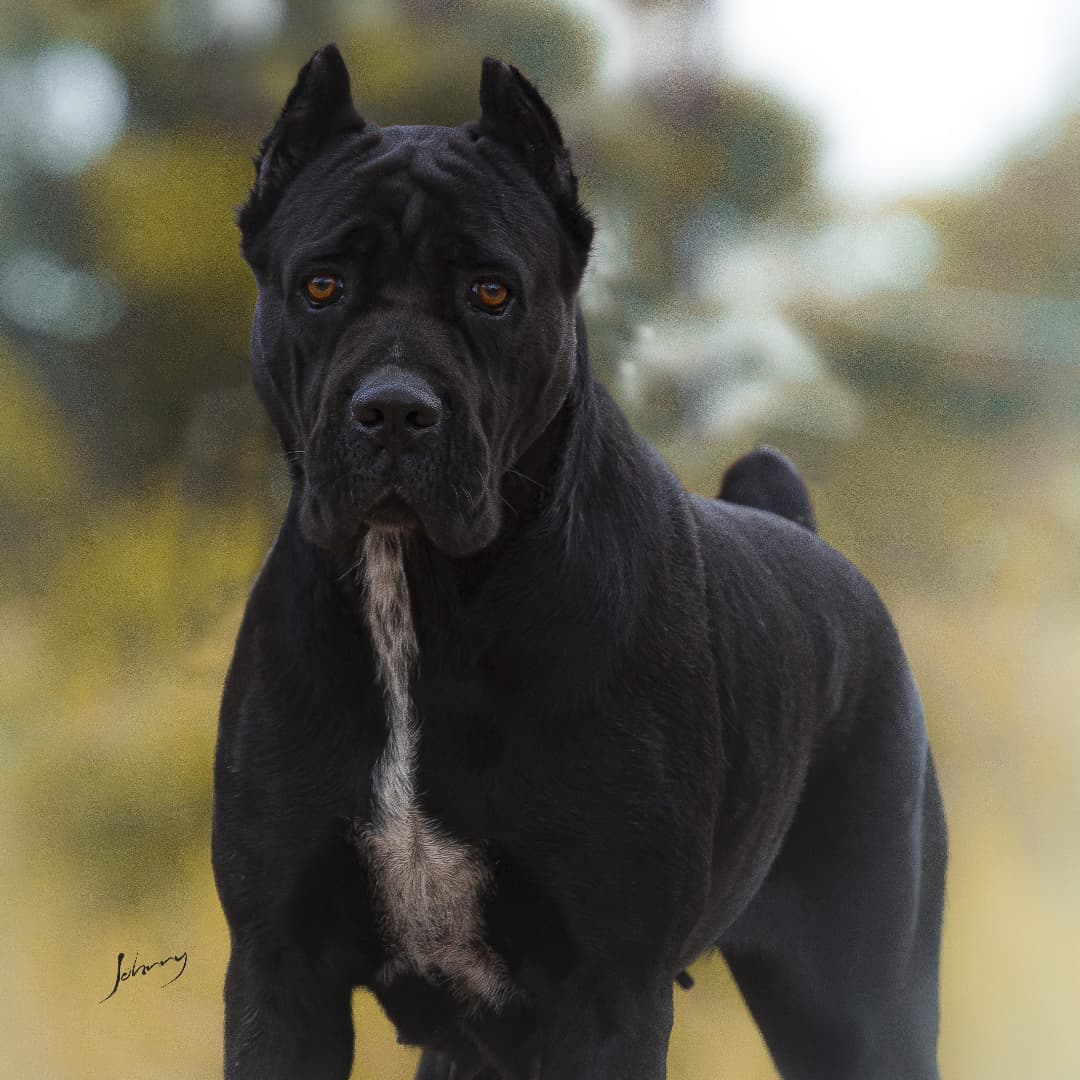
850	230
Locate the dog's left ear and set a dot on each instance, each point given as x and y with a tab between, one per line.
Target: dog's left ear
514	113
318	108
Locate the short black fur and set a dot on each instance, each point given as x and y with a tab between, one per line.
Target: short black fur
666	724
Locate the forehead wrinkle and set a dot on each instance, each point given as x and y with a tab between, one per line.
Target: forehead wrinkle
412	216
433	176
458	174
314	184
398	157
372	156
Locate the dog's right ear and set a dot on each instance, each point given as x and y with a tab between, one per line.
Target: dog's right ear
318	107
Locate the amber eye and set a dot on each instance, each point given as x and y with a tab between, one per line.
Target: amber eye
321	289
489	296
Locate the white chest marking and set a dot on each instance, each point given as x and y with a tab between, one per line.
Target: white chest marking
429	884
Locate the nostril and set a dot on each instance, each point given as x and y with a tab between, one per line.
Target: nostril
367	415
424	416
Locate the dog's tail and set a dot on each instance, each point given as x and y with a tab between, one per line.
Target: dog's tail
765	479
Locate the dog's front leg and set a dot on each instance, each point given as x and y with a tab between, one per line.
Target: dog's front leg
284	1019
615	1031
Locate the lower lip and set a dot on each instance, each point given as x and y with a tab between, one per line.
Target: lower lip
393	510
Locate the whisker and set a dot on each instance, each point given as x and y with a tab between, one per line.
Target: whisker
355	566
522	476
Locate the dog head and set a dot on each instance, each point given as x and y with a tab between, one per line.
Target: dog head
414	331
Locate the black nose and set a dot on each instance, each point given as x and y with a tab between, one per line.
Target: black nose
395	408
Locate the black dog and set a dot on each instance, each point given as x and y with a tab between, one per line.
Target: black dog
516	728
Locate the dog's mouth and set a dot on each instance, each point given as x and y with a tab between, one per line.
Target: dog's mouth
392	510
456	518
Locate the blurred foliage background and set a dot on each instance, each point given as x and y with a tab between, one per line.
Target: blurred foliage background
917	356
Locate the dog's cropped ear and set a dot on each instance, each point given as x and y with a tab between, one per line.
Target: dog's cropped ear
514	113
318	107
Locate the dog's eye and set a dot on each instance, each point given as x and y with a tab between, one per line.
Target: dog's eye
321	289
491	296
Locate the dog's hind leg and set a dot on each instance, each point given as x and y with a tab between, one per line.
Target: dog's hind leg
837	955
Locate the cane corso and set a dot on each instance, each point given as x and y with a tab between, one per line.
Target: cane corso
516	728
